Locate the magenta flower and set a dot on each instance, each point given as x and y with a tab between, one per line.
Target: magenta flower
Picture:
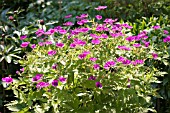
127	26
62	31
101	7
134	63
93	59
120	59
126	62
145	37
37	77
79	42
108	20
85	21
131	38
128	86
143	32
137	45
22	69
39	32
95	41
54	83
167	39
83	55
24	44
54	66
146	43
81	22
48	42
115	35
62	79
155	56
8	80
102	28
84	30
23	37
156	27
75	31
51	52
17	72
124	48
109	64
82	16
94	36
72	45
98	17
104	36
58	28
68	24
50	32
41	43
138	61
117	27
42	85
86	52
60	45
140	36
39	74
92	78
68	16
165	32
98	84
96	66
69	36
33	46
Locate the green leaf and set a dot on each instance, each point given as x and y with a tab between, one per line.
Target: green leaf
9	49
1	59
8	59
165	81
25	110
71	77
165	62
2	47
3	14
13	108
15	56
38	109
30	103
15	92
16	107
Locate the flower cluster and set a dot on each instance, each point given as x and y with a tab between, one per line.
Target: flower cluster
42	84
167	39
100	32
99	57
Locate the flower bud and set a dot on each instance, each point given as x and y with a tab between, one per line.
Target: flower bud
42	22
11	18
3	35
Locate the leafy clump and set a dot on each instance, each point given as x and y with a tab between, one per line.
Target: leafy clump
99	66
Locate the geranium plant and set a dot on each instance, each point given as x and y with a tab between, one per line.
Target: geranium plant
97	67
